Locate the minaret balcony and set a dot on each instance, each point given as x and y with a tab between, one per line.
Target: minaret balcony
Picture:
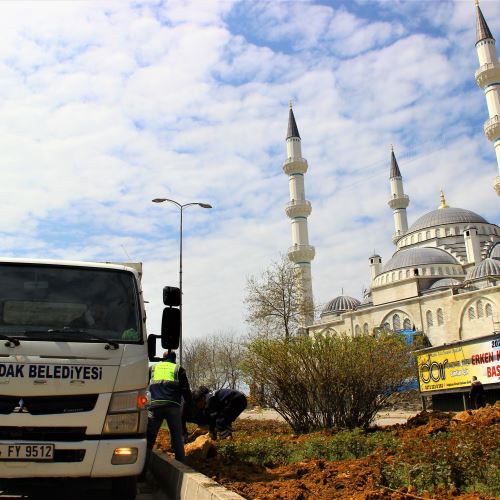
492	128
488	73
295	166
401	201
301	253
298	208
496	184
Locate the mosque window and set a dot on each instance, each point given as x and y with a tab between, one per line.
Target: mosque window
438	233
393	275
489	310
448	271
480	309
396	322
365	328
407	324
457	231
448	231
419	236
428	317
472	314
387	327
427	235
400	275
433	271
412	239
440	316
440	271
357	331
407	273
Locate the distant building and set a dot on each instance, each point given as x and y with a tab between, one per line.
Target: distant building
444	278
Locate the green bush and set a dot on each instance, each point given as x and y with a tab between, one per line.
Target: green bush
328	380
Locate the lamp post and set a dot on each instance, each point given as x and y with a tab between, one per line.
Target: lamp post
181	209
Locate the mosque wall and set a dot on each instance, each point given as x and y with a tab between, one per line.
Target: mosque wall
394	291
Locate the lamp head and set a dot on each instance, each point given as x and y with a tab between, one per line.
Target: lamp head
159	200
205	205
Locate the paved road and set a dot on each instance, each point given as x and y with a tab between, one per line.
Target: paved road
64	489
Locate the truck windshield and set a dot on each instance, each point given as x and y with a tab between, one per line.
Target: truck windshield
68	303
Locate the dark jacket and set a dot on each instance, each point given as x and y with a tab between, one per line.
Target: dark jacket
171	391
476	390
223	407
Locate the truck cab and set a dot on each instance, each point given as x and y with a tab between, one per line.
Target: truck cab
73	371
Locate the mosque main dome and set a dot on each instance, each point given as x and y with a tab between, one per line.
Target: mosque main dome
443	216
412	257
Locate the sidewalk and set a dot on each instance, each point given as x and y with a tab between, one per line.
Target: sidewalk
382	419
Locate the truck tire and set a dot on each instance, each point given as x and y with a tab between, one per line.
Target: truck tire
124	488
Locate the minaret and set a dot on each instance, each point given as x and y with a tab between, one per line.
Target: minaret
301	253
488	78
398	201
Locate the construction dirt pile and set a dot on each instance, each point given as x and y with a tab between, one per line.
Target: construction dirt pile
429	456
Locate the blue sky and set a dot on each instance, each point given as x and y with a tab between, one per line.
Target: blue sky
107	105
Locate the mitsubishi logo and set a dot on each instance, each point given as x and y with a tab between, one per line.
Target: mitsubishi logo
20	408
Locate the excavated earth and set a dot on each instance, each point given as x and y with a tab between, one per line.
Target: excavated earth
323	480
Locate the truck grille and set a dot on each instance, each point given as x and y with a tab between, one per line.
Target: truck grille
47	405
50	434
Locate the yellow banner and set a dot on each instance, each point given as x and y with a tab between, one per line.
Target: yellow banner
454	366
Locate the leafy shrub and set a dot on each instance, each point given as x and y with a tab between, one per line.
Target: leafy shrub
326	381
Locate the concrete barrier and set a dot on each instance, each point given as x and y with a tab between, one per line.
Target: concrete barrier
180	482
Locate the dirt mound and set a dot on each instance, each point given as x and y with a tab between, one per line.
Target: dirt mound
359	479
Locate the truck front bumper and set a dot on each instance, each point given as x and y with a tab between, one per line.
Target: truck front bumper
79	459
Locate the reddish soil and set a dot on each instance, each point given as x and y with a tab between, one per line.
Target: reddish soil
325	480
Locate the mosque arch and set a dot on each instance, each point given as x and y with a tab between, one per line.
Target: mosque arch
440	317
365	329
395	320
476	315
428	318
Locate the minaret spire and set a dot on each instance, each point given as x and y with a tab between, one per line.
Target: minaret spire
443	203
298	210
399	201
488	78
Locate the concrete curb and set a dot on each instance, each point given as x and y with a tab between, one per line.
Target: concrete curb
180	482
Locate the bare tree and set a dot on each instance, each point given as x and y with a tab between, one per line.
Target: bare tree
275	301
214	361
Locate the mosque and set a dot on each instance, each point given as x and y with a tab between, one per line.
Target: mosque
444	277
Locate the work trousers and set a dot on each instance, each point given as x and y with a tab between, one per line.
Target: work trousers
172	414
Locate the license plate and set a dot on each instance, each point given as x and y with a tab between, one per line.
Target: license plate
26	451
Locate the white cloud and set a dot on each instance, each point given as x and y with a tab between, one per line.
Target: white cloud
105	106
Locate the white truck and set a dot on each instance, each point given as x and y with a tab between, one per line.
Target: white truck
73	371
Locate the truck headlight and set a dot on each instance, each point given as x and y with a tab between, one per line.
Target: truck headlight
128	401
121	423
127	413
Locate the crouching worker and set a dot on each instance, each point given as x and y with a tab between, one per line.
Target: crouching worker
217	409
168	386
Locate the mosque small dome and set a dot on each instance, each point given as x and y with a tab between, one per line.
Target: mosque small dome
487	267
419	256
340	304
444	283
443	216
495	251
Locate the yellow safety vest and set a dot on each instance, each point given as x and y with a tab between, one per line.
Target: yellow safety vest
165	372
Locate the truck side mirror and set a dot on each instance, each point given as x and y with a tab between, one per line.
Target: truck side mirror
171	296
170	328
152	348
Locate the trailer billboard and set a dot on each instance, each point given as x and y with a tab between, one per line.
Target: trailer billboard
452	366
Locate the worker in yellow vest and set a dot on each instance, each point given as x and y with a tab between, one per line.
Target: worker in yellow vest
168	386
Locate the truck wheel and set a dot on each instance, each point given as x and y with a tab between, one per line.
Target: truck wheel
125	488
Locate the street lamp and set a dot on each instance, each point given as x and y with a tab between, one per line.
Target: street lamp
181	209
